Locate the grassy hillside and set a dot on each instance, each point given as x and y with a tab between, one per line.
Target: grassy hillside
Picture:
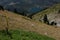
50	12
23	35
16	21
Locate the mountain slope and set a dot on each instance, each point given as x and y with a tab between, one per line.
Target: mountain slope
31	5
52	13
20	22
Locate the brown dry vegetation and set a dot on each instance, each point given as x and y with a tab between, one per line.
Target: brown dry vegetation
20	22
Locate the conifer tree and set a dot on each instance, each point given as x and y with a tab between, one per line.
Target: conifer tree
45	19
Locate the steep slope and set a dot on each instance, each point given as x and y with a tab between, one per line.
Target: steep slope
20	22
52	13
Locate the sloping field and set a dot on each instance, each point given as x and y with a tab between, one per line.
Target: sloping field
20	22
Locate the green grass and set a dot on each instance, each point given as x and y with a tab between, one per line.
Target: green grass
23	35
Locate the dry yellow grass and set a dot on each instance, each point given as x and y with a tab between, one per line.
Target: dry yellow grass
20	22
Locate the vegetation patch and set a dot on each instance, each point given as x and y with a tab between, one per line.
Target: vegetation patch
23	35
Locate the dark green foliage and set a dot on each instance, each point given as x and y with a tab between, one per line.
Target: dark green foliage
30	17
48	22
53	23
1	8
8	33
23	13
45	19
59	11
15	11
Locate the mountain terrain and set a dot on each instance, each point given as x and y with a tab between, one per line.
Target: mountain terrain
16	21
31	6
53	14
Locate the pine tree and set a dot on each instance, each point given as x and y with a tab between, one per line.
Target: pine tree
45	19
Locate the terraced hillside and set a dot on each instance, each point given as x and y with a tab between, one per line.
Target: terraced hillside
52	13
16	21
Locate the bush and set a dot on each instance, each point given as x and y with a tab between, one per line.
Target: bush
53	23
1	8
45	19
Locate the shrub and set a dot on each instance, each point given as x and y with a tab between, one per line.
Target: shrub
1	8
45	19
